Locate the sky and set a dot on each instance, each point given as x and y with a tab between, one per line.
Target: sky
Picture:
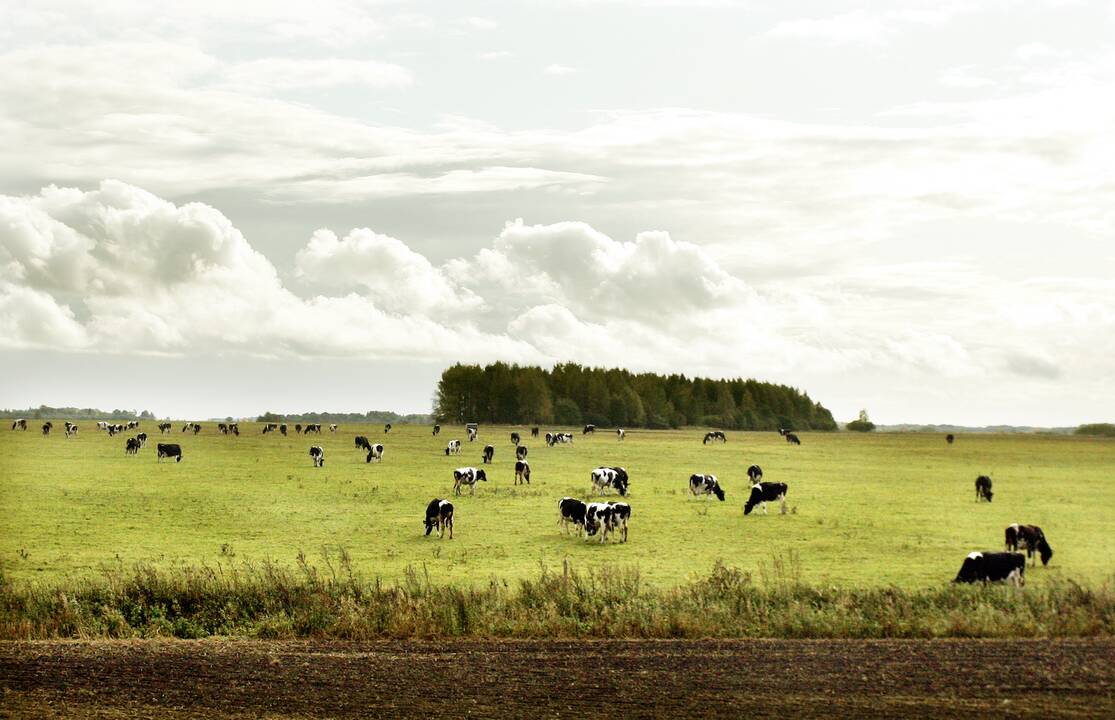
221	208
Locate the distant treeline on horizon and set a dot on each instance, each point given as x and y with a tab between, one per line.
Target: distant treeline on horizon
372	416
571	394
73	413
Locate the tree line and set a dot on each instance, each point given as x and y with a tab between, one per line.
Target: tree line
73	413
571	394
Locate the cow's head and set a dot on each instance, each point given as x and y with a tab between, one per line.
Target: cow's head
480	475
1045	551
718	492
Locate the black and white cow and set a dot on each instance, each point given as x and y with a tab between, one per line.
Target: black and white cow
1005	567
621	515
598	519
762	493
950	438
439	515
235	427
317	455
386	428
47	427
473	430
793	439
515	438
609	477
534	432
222	428
298	428
555	438
375	452
312	428
590	429
282	429
489	451
705	485
467	476
168	450
333	428
142	438
114	429
197	428
713	436
71	429
437	429
453	447
782	431
1031	539
361	442
983	488
131	446
754	474
521	452
270	427
522	472
19	424
164	427
620	434
572	511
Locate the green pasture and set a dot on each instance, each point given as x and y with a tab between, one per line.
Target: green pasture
867	509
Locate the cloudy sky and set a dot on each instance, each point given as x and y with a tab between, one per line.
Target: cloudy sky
225	207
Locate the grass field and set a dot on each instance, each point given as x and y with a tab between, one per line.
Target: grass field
871	510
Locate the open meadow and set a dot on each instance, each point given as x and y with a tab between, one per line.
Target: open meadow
867	510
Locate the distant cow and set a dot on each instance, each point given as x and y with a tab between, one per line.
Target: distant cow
620	433
282	429
714	436
950	438
317	455
47	427
333	428
754	474
270	427
589	430
515	438
489	451
312	428
793	439
559	438
131	446
473	430
361	442
71	429
142	438
521	452
386	428
534	432
762	493
437	429
705	485
609	477
983	488
21	424
235	428
1031	539
164	427
298	428
375	452
572	511
986	567
453	447
222	428
168	450
133	424
439	514
197	428
522	472
784	431
467	476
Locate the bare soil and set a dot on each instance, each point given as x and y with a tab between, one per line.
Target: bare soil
550	679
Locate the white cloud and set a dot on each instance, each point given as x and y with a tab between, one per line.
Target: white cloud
290	73
559	69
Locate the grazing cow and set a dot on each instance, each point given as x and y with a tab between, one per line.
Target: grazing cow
521	452
101	425
375	452
71	429
142	438
599	517
22	424
168	450
762	493
282	429
197	428
713	437
222	428
515	438
572	511
1006	567
793	439
621	514
522	472
609	477
47	426
333	428
437	429
589	430
754	474
298	428
559	438
362	442
114	429
386	428
473	430
489	451
235	427
467	476
312	428
317	455
270	427
131	446
705	485
1031	538
620	434
164	427
453	447
983	488
784	431
950	438
439	514
534	432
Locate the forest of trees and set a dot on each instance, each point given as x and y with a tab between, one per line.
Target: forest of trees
571	395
